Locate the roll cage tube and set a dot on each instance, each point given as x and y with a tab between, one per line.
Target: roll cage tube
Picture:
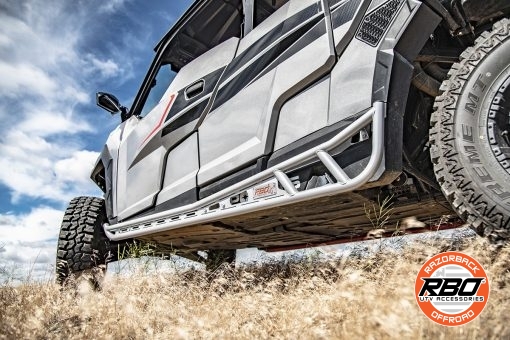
248	16
158	85
146	87
190	37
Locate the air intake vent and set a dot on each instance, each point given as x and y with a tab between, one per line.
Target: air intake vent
375	23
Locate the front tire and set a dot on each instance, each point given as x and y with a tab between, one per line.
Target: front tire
82	243
470	146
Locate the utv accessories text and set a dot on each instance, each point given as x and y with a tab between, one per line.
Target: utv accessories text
269	188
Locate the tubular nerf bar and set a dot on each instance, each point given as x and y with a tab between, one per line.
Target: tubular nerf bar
215	208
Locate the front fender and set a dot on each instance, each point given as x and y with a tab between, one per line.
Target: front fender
102	175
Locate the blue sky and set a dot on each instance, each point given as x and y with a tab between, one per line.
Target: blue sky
54	56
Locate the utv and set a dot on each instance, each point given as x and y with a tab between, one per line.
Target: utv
275	123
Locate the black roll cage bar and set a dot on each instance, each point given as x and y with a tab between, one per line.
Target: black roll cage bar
247	26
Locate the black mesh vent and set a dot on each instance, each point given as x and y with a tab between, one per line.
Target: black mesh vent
375	23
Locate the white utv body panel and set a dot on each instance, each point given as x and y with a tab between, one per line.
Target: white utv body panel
238	131
181	170
137	184
233	134
353	77
141	167
215	58
295	119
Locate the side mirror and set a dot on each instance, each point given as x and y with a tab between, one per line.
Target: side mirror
108	102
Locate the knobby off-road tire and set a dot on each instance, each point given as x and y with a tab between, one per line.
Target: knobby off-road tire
469	150
82	243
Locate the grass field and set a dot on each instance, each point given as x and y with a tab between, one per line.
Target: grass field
361	296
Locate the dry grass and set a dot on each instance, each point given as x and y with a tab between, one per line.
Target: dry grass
368	296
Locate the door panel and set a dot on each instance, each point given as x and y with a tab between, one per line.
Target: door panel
147	141
295	120
234	133
140	191
140	159
295	51
180	170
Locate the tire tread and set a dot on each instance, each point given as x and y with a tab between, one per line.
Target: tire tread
459	189
82	244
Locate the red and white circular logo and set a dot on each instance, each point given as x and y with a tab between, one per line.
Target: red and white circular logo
452	288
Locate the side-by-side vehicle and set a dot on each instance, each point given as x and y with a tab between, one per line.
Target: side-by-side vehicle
278	124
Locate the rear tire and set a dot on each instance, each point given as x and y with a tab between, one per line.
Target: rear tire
82	243
470	146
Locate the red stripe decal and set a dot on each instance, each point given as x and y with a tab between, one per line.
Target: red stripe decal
161	120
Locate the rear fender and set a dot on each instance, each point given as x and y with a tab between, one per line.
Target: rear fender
393	76
377	66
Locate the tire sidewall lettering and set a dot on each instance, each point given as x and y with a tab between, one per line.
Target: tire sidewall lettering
470	124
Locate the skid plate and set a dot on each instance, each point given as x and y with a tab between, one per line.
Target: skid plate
326	220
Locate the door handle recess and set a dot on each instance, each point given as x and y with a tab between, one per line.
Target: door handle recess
194	89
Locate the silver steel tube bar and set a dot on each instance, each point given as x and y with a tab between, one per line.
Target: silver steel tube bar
333	167
376	114
285	182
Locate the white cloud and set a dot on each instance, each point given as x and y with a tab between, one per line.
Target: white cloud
28	242
5	41
107	68
38	168
21	79
111	6
35	31
43	123
45	61
76	169
41	224
43	76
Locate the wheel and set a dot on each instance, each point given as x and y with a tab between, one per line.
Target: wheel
469	135
215	258
82	243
